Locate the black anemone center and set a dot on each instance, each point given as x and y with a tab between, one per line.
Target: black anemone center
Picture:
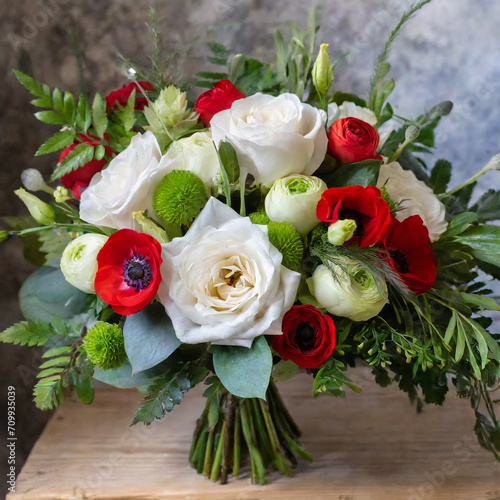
400	262
305	336
137	272
354	215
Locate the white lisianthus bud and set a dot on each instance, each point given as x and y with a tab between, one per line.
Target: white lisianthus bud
348	290
322	73
412	133
341	231
293	199
79	261
40	211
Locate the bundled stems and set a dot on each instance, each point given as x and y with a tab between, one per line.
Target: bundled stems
232	427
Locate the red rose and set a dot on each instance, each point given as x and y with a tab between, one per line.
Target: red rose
364	205
128	272
218	99
410	253
79	179
121	96
308	337
351	140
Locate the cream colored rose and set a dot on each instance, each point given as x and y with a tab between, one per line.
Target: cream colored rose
223	281
273	136
348	290
414	198
127	185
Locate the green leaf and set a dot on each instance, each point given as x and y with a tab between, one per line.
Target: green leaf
48	393
99	118
50	117
487	207
244	372
57	351
83	114
440	176
69	108
126	115
58	141
30	84
59	361
168	390
46	294
484	242
230	161
50	371
122	376
341	97
460	347
480	301
27	333
364	173
331	379
149	337
450	330
81	155
459	224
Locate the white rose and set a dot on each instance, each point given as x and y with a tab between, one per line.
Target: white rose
273	136
79	261
414	198
223	281
197	154
348	290
127	185
293	199
349	109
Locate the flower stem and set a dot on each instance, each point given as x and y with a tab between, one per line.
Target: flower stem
237	442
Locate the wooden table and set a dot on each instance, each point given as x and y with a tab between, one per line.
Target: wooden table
372	446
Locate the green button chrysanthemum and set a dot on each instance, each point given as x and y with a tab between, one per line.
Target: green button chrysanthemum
179	197
105	346
288	241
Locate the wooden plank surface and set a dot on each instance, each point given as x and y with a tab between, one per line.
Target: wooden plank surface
368	447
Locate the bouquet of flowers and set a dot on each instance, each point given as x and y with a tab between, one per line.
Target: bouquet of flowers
274	225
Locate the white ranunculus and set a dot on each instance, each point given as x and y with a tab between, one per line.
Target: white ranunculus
348	290
273	136
414	198
127	185
223	281
79	261
197	154
293	199
349	109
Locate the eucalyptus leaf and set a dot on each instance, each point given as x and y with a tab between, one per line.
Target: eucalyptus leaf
244	372
122	377
46	293
149	337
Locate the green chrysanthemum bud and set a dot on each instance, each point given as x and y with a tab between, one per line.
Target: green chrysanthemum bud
105	346
288	241
260	217
341	231
179	197
39	210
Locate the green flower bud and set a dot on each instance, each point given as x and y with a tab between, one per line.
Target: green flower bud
4	235
411	133
444	108
150	227
494	163
79	261
33	181
293	199
179	197
39	210
61	194
105	346
288	241
322	73
341	231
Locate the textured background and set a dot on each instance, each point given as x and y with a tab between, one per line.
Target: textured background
449	51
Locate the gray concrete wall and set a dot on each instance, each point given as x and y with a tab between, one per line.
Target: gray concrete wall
449	51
